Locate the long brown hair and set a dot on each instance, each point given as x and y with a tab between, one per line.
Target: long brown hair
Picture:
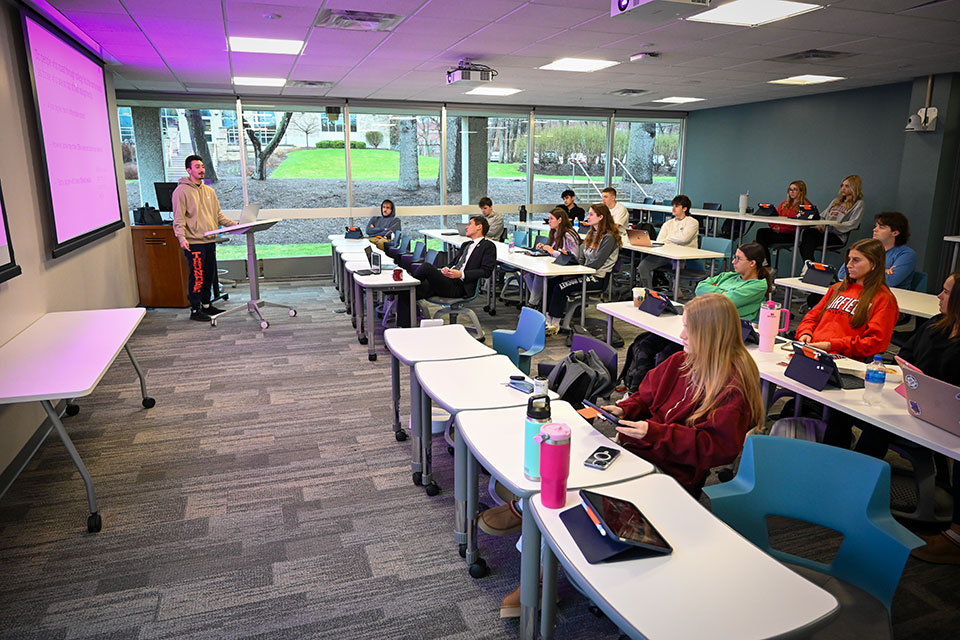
801	197
718	361
950	322
607	225
873	282
755	253
558	235
856	186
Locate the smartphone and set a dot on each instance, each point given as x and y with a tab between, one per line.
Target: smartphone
606	414
602	458
521	385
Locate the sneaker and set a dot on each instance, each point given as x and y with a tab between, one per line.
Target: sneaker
199	315
212	310
940	549
552	329
501	521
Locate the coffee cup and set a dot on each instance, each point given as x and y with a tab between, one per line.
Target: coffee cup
638	293
398	274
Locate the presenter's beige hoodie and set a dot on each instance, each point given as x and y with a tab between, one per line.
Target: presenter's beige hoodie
196	210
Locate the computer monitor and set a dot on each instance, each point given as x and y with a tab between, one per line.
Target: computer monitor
165	195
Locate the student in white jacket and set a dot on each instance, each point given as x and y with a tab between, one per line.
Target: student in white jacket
682	229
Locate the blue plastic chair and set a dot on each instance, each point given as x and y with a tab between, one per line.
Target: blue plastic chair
527	340
832	487
918	282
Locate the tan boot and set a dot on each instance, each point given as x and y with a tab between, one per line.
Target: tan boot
940	549
510	607
502	520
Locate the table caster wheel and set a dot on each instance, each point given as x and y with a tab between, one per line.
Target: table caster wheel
149	403
417	478
482	339
493	312
362	339
226	297
451	450
479	569
432	489
372	357
293	313
213	322
400	435
94	523
264	324
73	409
596	611
462	550
486	308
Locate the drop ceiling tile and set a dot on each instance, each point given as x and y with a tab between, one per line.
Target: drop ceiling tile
68	7
399	7
550	16
949	10
880	6
260	65
201	10
252	14
487	10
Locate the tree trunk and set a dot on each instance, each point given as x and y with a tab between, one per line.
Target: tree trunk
199	140
261	153
639	160
409	163
454	152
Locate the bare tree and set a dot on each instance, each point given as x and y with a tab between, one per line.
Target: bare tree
199	139
409	179
263	153
454	151
305	123
640	151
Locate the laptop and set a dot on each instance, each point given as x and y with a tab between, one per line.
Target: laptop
640	238
249	213
462	228
931	400
374	260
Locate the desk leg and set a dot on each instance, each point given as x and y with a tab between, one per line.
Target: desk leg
676	281
823	256
478	566
371	328
633	270
543	300
460	490
548	602
426	444
413	306
355	311
416	426
93	522
583	301
529	574
610	330
796	249
147	401
398	431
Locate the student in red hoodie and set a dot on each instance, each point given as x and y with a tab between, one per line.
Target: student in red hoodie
856	317
693	411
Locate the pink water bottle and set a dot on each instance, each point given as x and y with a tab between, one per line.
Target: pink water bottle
770	314
554	464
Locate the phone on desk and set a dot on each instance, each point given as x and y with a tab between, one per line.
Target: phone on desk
520	385
606	415
602	458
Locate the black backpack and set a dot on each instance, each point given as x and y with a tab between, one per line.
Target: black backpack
580	376
645	352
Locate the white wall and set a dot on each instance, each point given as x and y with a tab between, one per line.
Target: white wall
100	275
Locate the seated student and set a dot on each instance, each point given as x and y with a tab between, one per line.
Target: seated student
621	216
474	261
381	228
562	236
600	250
789	208
747	286
893	229
682	230
847	208
494	219
691	413
575	213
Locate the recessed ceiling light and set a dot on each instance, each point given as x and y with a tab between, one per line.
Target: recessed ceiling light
807	79
492	91
259	82
679	100
751	13
265	45
578	64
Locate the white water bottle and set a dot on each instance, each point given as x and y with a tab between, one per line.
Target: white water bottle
511	245
873	381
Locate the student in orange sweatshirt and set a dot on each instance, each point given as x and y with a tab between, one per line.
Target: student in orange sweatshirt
856	317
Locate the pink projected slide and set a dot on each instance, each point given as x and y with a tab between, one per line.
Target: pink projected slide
71	99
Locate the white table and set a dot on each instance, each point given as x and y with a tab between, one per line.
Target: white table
386	263
253	305
715	584
494	438
666	325
382	282
678	254
544	267
464	385
64	355
956	248
420	344
340	244
914	303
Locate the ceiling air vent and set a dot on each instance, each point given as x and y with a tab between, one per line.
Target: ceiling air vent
811	55
312	84
356	20
629	92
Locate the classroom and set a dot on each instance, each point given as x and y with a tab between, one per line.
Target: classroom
298	470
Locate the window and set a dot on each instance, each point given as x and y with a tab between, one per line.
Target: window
569	154
646	158
333	123
487	156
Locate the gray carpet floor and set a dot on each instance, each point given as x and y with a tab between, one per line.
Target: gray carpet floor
266	497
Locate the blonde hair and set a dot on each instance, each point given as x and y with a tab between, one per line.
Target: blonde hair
856	186
717	361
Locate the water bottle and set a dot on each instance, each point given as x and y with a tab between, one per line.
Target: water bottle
523	213
511	244
873	381
554	441
769	324
538	414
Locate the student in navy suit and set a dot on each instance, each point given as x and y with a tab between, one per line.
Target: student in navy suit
475	260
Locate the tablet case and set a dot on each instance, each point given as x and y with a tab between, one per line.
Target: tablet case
353	233
766	209
594	546
750	335
822	275
817	370
808	212
566	259
655	304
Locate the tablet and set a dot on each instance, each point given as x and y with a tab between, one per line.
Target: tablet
622	521
609	417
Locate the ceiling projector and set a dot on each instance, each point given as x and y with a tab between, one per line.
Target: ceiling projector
469	73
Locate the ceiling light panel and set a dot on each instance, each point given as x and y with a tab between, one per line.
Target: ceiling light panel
251	81
807	79
582	65
265	45
751	13
679	100
493	91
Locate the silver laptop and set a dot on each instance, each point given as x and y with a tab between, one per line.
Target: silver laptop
931	400
462	228
249	213
374	260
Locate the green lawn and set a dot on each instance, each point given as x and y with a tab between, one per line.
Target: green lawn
384	164
239	252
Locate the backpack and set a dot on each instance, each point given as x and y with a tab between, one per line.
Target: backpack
580	376
645	352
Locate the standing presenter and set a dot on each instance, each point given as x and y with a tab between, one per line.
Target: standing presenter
196	211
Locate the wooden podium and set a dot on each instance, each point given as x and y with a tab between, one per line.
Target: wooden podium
161	266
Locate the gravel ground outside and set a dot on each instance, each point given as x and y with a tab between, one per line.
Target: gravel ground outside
293	193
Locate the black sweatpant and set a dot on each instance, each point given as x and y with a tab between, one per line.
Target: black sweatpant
202	266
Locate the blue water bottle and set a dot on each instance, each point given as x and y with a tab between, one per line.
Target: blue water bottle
538	414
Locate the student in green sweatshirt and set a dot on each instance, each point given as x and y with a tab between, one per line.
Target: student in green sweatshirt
747	285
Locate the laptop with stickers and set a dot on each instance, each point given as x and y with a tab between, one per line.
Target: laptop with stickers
931	400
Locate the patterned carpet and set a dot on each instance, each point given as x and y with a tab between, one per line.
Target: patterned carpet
265	497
